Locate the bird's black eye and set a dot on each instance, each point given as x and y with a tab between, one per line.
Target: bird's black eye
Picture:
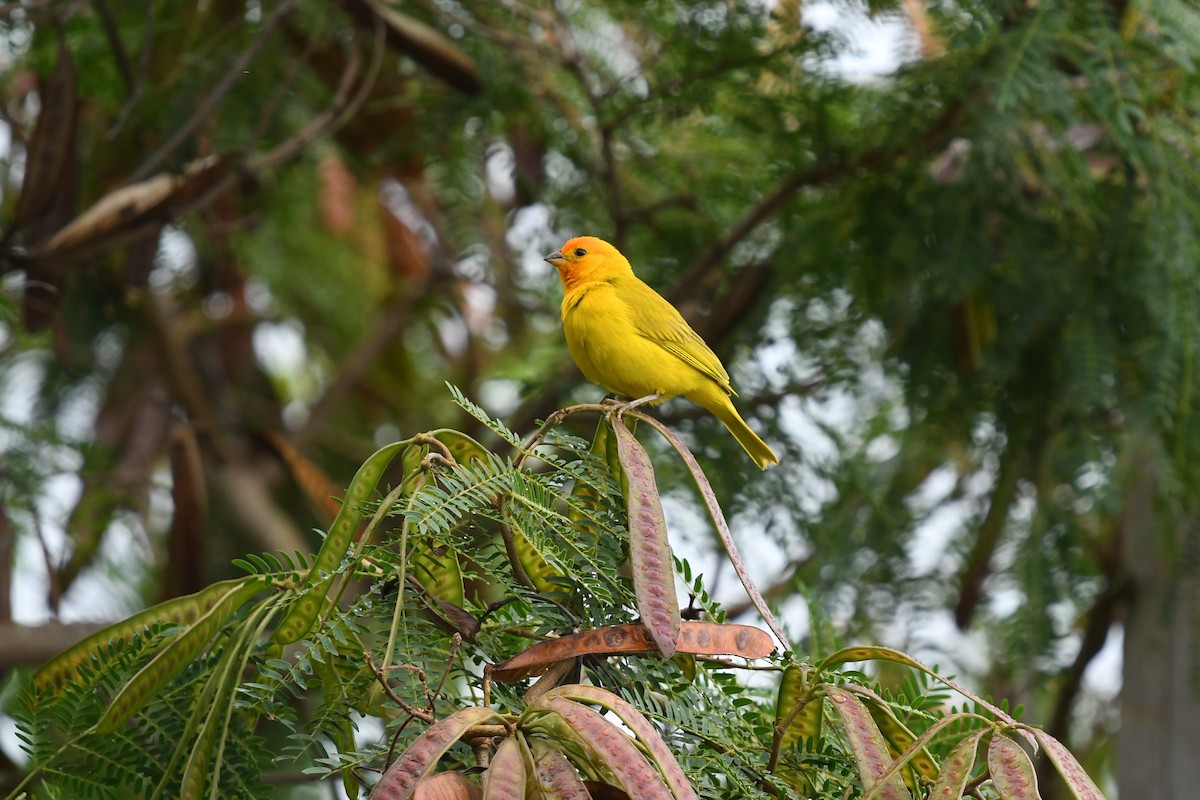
580	252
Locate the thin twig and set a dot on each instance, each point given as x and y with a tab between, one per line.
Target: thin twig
381	676
455	642
118	47
341	109
285	86
209	104
135	96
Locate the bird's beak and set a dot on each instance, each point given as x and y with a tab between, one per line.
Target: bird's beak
556	258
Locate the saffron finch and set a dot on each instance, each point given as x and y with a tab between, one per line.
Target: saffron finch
627	338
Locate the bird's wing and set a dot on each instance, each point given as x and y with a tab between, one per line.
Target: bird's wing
658	321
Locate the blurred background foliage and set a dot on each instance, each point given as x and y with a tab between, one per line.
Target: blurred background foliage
244	243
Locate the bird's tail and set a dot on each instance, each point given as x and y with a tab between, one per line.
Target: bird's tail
722	407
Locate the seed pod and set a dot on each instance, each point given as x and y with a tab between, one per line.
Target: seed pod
505	777
703	638
1082	786
539	571
401	779
177	654
649	550
1011	770
798	717
796	721
899	738
609	747
956	769
447	786
307	606
53	138
557	779
646	734
867	743
180	610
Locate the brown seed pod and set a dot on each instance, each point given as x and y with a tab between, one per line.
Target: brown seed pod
401	779
649	550
867	743
646	734
608	747
1011	770
700	638
505	778
1082	786
447	786
557	779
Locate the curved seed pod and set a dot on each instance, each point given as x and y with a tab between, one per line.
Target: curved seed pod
798	717
725	639
1081	785
646	733
191	784
415	39
552	677
436	567
505	777
612	455
400	780
876	653
557	779
539	570
867	743
307	606
604	447
956	769
797	712
607	745
1011	770
649	550
342	734
582	490
213	728
134	204
213	714
702	638
899	738
180	610
177	654
461	446
546	730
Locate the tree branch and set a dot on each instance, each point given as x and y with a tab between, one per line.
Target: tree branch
206	106
25	645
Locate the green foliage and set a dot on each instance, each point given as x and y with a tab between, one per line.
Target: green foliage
133	717
971	282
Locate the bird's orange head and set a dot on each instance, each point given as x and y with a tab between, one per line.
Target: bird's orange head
585	259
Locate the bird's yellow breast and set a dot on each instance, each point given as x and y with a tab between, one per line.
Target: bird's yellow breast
603	335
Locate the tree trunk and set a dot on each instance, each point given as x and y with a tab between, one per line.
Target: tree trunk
1158	749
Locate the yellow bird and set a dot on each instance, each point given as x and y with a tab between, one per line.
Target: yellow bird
627	338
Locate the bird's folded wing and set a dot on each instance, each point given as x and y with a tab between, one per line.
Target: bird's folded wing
658	321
